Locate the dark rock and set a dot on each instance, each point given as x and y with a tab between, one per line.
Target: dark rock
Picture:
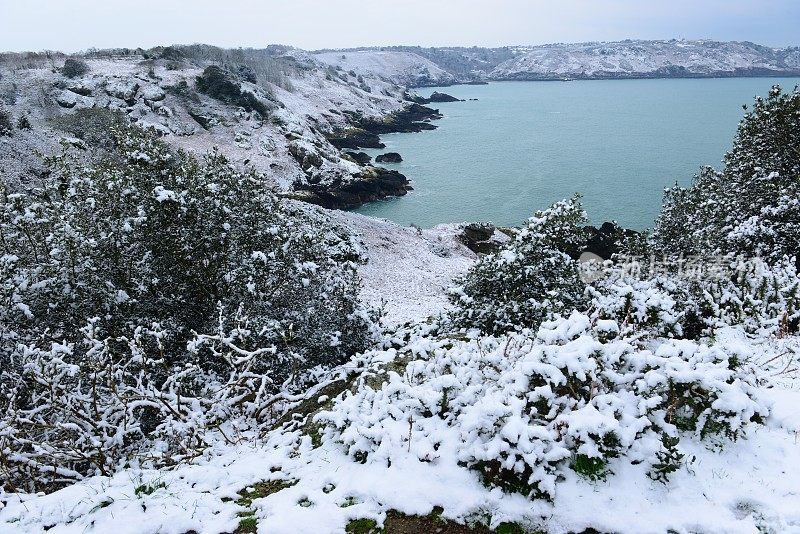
478	238
373	183
365	132
356	138
604	241
435	97
362	158
389	157
442	97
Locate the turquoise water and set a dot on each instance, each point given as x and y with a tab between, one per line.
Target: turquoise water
523	145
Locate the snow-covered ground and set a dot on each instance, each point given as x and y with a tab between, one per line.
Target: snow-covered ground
146	92
643	58
404	68
287	484
407	271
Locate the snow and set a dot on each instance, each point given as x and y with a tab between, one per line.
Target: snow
743	486
403	68
408	271
643	58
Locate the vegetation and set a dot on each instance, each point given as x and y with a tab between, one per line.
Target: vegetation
527	280
148	297
74	68
6	124
751	206
219	84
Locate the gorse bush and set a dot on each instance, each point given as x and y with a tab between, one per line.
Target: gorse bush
219	84
759	298
527	408
74	68
149	296
6	124
752	206
529	279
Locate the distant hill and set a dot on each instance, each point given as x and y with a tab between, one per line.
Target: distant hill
417	66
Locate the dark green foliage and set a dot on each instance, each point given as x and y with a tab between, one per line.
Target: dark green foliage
362	526
221	85
74	68
592	468
183	90
494	475
95	126
750	207
147	294
159	236
6	125
669	459
23	123
529	279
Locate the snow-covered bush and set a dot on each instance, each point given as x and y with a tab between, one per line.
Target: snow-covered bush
220	84
762	299
204	295
752	206
525	409
6	125
529	279
74	67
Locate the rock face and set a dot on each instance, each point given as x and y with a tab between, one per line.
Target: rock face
373	183
604	241
479	238
365	133
389	157
435	97
362	158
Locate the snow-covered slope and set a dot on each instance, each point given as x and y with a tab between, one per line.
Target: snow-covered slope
403	68
290	147
633	59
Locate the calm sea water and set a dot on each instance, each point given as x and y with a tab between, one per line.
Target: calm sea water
524	145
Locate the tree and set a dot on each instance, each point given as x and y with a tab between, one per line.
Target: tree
752	206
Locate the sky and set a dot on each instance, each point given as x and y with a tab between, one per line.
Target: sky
74	25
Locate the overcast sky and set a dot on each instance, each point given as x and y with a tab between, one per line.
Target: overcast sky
72	25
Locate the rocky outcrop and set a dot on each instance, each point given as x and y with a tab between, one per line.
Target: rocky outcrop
389	157
478	238
436	97
373	183
604	241
362	158
365	132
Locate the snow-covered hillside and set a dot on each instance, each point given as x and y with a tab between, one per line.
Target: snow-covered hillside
403	68
634	59
290	146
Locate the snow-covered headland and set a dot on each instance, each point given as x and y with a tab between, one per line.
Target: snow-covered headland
188	347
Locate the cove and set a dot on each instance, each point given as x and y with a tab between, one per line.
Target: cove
524	145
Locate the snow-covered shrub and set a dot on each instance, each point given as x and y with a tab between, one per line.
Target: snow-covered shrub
6	125
74	68
529	279
220	84
184	268
525	409
751	207
762	299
